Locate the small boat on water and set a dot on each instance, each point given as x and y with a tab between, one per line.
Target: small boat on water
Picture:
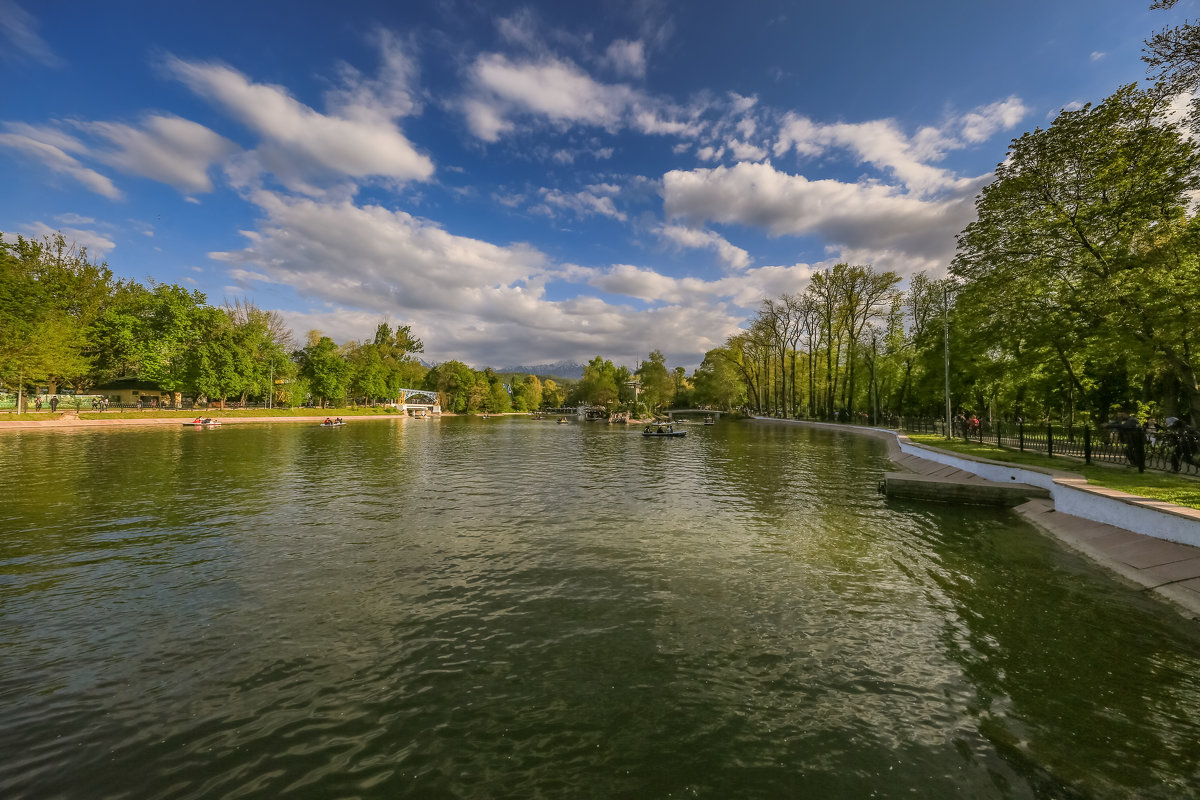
333	423
709	421
662	432
203	422
562	420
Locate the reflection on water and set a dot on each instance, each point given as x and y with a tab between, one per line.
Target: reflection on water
512	608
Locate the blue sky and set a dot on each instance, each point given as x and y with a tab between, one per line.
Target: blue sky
530	182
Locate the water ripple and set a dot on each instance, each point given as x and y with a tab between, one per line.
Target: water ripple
510	608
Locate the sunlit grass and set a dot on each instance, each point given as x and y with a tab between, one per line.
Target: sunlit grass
1179	489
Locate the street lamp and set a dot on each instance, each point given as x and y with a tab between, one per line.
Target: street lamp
946	347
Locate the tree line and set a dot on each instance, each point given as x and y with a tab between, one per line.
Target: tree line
1074	292
67	323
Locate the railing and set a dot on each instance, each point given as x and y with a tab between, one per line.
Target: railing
1167	450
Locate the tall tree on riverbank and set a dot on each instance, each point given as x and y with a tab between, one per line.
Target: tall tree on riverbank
53	294
1083	244
658	388
324	367
598	385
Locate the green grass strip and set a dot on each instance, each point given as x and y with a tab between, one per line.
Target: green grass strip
1181	490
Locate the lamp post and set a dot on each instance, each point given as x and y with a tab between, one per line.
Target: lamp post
946	329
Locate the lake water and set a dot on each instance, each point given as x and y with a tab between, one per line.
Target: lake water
511	608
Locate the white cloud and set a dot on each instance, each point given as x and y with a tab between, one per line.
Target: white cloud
98	244
168	149
74	219
726	296
372	256
883	145
18	30
520	29
301	146
627	59
847	215
985	121
559	91
742	104
651	121
36	143
475	301
389	95
553	88
744	151
732	256
594	200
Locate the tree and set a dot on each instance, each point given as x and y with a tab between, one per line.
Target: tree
1081	218
454	382
323	366
866	296
169	336
51	295
658	388
527	393
266	340
1173	55
717	381
599	383
553	395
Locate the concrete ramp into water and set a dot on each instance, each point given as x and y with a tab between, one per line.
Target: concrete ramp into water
963	488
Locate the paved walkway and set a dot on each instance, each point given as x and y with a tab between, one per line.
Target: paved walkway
1170	570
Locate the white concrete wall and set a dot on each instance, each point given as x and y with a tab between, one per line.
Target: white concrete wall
1094	504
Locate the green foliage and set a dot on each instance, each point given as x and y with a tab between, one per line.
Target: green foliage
553	395
380	367
527	393
1082	259
51	295
717	381
598	385
322	365
658	387
1157	486
455	383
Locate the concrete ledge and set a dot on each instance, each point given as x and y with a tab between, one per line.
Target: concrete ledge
1149	543
1169	570
1073	495
944	489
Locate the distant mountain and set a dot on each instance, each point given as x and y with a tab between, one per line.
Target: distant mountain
562	369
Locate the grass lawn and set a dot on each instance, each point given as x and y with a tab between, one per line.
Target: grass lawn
1179	489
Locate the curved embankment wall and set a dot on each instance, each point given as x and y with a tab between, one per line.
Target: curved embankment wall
1071	493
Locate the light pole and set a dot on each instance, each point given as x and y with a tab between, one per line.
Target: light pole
946	327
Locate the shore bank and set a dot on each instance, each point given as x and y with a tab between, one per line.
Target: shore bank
1158	557
70	421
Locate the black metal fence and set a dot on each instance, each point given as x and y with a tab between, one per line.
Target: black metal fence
1169	450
